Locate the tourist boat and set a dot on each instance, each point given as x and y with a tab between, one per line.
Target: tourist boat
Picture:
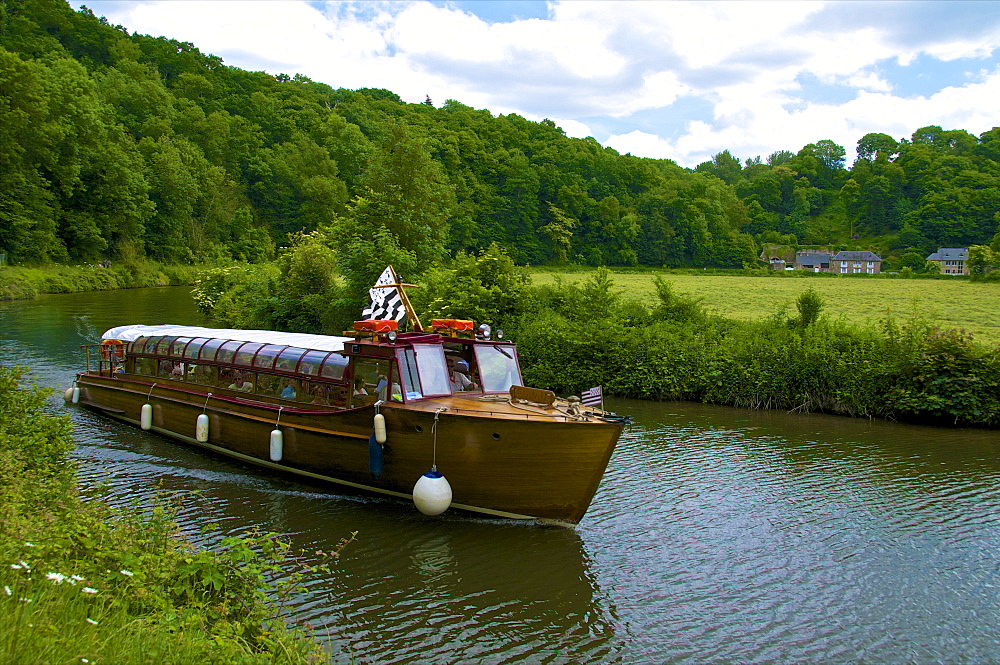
438	416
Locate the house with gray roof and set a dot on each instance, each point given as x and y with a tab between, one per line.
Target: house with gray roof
856	262
951	260
813	261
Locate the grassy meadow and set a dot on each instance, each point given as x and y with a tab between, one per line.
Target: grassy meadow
970	306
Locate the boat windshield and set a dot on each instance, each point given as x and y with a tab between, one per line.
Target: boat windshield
498	367
424	372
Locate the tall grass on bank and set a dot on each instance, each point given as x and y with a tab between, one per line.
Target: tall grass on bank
906	370
17	283
82	582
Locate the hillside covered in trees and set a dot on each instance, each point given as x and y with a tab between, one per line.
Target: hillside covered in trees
122	146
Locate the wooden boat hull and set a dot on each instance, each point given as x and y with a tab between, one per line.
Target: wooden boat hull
499	460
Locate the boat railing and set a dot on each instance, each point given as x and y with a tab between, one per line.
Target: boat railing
106	359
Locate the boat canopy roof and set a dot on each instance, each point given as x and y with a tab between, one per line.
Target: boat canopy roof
130	333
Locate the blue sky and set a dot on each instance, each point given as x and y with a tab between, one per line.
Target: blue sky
676	80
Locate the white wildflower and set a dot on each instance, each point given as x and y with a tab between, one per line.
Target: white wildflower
87	589
15	566
92	623
127	573
7	590
58	578
29	544
24	565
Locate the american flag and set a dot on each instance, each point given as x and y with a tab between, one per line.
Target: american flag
385	301
593	396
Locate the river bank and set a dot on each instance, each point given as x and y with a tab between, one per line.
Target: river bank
22	283
84	582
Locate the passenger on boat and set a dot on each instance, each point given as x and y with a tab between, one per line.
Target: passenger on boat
359	387
458	374
240	384
288	392
317	395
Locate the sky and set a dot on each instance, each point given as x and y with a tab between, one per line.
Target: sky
674	80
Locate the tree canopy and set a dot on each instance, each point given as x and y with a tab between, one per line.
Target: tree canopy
117	145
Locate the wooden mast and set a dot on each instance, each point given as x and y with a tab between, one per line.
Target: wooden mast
410	314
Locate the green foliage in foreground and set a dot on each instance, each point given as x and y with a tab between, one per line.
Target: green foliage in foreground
18	283
83	582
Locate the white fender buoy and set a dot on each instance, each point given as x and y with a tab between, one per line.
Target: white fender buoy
380	428
68	395
432	493
146	416
277	445
201	428
72	393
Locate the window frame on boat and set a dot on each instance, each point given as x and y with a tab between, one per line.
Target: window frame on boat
312	372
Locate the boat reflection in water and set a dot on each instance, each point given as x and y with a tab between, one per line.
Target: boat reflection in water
377	412
487	592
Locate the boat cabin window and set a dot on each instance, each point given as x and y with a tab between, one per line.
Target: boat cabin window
311	362
227	351
236	379
334	366
204	374
370	382
177	348
246	353
144	345
145	366
171	369
462	371
192	349
163	346
278	386
498	367
209	348
265	357
324	394
289	358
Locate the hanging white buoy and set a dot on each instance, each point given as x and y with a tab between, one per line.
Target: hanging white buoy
432	493
201	428
68	395
146	416
380	428
72	393
277	445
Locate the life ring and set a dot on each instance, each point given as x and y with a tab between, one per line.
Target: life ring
118	351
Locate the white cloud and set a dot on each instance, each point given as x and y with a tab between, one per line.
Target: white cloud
642	144
869	81
572	127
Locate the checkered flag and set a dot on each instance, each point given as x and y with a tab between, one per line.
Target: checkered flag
385	300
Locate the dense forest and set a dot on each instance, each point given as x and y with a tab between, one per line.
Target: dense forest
122	146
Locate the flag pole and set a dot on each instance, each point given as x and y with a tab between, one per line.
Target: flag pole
410	314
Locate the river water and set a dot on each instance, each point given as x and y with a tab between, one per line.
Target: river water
718	535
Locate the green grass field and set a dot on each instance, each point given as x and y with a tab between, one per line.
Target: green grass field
970	306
